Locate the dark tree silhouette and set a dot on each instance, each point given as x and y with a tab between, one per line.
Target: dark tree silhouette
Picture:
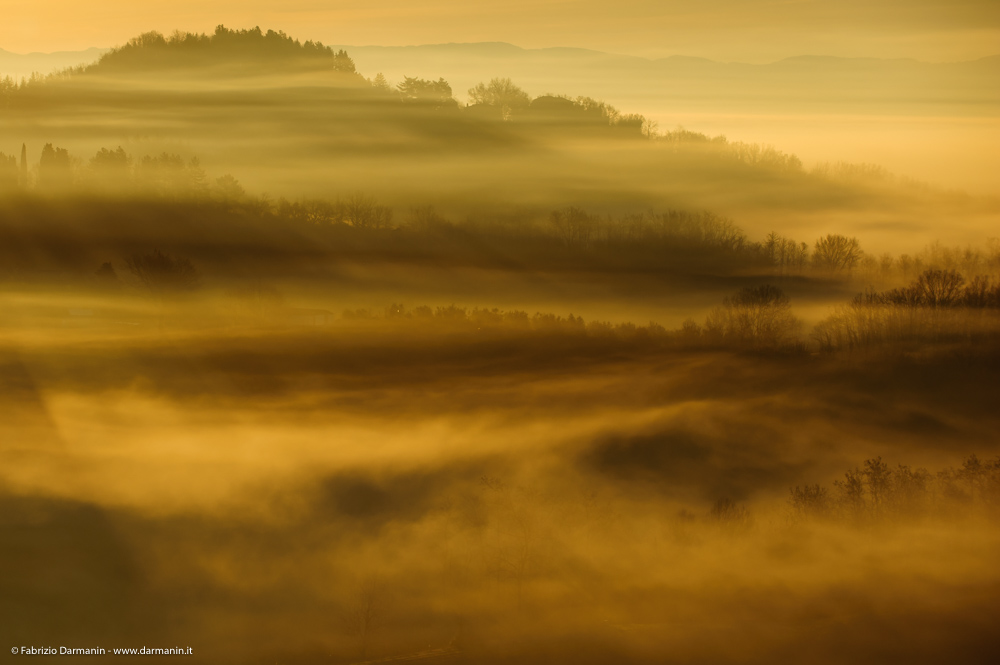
24	165
939	288
111	166
837	253
758	316
8	172
224	46
161	274
54	168
421	90
502	94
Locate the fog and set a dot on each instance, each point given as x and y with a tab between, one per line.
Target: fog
300	366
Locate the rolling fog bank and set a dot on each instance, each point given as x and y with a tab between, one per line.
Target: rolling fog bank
299	365
377	487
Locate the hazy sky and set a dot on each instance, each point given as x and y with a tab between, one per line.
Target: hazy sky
741	30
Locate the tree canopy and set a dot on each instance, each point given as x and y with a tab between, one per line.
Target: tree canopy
154	50
422	90
501	93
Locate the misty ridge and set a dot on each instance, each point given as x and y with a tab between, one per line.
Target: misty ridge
307	238
318	124
299	365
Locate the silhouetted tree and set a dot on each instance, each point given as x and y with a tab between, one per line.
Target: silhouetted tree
877	480
810	500
380	83
502	94
851	492
107	277
361	211
230	188
54	168
170	174
758	316
784	253
111	167
365	614
9	174
837	253
24	165
573	225
224	46
939	288
161	274
730	514
421	90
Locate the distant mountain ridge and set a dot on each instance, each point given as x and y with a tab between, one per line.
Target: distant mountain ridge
800	83
806	83
21	65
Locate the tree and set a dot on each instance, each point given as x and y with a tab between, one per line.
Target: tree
877	478
170	174
112	167
54	168
365	613
422	90
650	128
837	253
939	288
24	165
361	211
810	500
161	274
380	83
852	493
501	93
8	172
730	514
230	188
757	316
574	226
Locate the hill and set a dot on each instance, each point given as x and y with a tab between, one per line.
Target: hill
295	120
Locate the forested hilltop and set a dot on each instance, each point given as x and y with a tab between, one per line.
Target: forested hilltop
247	48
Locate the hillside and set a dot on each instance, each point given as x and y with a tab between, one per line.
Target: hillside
294	120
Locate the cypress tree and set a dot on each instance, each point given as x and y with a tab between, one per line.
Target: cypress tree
24	165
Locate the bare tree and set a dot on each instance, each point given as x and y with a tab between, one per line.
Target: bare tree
759	317
852	493
808	500
160	273
877	479
502	93
939	288
837	253
365	614
729	513
364	212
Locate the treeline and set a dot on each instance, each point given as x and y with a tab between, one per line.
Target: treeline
939	306
112	172
877	491
672	240
152	50
497	320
